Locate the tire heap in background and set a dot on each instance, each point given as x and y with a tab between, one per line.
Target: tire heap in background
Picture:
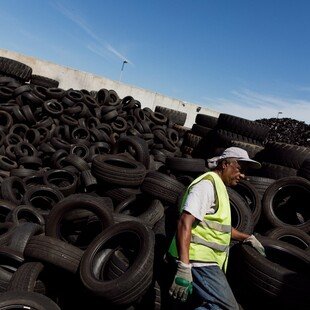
90	189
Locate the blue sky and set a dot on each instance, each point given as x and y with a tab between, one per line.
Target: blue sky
242	57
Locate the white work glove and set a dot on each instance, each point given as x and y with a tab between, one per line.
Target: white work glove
252	240
182	285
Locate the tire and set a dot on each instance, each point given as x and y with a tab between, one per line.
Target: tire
206	120
201	130
282	275
15	69
26	300
5	277
98	207
21	235
304	170
284	154
260	183
149	211
118	169
24	213
284	203
25	278
251	197
13	189
43	81
176	117
274	171
42	198
7	164
136	146
241	215
290	235
242	126
138	277
163	187
55	252
225	138
197	165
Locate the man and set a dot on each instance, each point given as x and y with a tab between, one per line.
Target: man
204	231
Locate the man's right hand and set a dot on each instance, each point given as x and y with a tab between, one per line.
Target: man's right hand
182	285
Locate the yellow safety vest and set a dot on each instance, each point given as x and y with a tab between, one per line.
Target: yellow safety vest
211	237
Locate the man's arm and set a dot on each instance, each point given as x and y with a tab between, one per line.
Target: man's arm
184	233
251	239
238	235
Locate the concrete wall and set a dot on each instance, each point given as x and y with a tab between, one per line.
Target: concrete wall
71	78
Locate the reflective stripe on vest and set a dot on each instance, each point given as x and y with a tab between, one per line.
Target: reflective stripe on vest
217	226
212	245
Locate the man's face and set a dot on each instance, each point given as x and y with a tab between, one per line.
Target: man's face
233	172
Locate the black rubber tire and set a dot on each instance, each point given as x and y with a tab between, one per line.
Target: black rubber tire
15	69
148	211
35	196
21	235
26	213
291	235
25	278
245	127
206	120
163	187
43	81
251	197
7	164
284	154
284	203
241	215
138	277
283	275
225	137
176	117
99	207
26	300
200	130
63	180
76	161
118	169
136	146
118	194
13	189
274	171
5	277
55	252
186	164
260	183
304	170
7	229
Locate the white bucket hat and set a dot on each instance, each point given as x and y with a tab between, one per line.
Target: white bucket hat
234	152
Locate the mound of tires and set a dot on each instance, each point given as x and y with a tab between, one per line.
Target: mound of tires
90	186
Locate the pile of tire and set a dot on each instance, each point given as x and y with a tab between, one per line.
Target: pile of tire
287	130
90	186
271	203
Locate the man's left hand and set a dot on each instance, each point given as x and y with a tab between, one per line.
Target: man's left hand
252	240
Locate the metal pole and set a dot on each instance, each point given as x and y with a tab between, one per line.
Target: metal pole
279	114
122	69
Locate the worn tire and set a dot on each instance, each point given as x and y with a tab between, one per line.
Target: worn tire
137	278
284	203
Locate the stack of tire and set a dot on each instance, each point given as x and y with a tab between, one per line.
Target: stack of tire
90	187
195	137
281	279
